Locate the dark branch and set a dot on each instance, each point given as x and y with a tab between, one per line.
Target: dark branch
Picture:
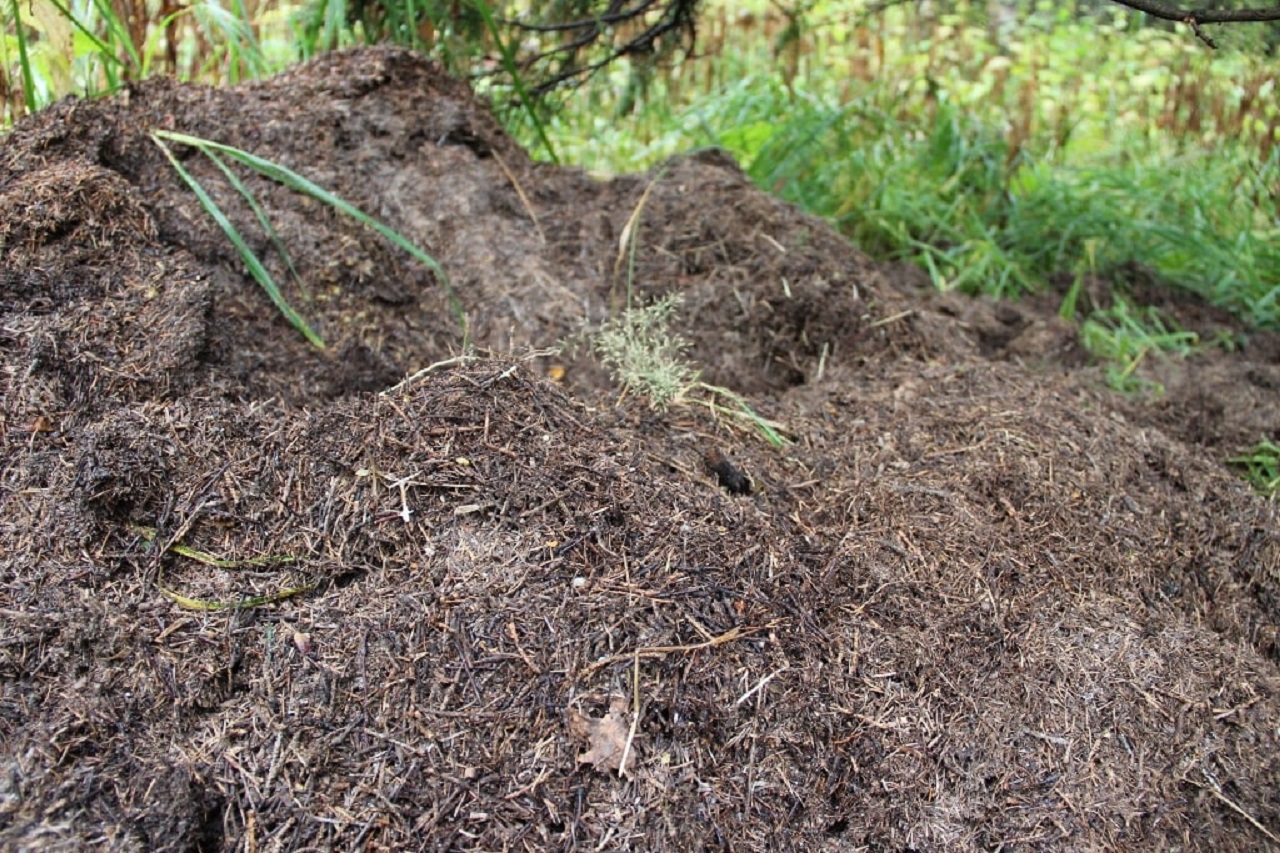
564	42
1156	9
591	45
1194	18
615	15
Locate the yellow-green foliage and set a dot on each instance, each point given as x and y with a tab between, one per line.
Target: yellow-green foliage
1051	80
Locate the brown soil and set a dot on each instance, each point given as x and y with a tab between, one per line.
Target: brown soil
980	602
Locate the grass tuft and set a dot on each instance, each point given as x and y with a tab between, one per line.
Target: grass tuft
1261	467
251	260
1123	335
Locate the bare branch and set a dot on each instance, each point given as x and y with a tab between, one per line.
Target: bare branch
564	42
1195	17
675	19
614	15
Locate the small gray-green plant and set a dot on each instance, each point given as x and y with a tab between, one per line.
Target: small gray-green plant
644	355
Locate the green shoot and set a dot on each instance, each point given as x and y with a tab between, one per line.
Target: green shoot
1261	467
770	430
296	182
517	80
1067	310
24	58
1123	336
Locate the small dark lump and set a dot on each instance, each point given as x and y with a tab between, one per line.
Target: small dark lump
731	478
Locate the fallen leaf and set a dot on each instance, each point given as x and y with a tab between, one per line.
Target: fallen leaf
607	737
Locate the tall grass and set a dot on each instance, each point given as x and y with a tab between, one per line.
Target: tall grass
996	162
55	48
1260	465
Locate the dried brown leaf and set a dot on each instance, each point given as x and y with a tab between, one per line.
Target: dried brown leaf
606	736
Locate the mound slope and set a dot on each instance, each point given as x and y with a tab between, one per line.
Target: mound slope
977	603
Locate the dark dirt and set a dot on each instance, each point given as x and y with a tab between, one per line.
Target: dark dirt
980	602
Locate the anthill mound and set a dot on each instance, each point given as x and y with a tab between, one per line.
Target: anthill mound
977	602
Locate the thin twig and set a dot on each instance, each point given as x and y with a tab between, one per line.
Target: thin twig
735	633
1213	788
524	199
409	380
760	685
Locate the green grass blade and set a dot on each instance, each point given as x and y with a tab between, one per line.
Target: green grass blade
148	535
119	34
210	606
333	21
263	220
513	69
251	260
767	429
230	29
24	59
1261	466
296	182
103	49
